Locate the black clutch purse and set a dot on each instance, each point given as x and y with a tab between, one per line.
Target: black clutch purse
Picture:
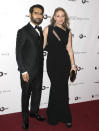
72	76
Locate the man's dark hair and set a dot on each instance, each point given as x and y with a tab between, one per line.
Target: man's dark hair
36	6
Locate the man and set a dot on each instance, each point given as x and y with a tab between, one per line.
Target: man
29	56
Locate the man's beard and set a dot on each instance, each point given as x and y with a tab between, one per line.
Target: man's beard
36	21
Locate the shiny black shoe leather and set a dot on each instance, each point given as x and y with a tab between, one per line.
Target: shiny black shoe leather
69	125
25	125
37	116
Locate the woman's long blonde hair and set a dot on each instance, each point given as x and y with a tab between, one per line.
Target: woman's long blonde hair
66	22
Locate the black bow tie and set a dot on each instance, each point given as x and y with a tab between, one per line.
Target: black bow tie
37	27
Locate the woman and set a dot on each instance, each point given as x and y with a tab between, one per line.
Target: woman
60	62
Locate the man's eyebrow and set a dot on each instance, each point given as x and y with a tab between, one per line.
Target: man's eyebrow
37	12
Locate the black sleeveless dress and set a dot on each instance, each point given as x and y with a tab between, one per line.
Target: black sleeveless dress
58	69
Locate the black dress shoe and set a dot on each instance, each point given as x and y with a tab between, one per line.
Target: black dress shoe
68	124
25	125
37	116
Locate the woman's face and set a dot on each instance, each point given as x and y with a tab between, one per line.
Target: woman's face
59	17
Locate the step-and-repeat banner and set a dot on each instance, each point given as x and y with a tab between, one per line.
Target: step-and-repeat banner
84	24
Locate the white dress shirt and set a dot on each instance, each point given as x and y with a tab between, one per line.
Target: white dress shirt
34	27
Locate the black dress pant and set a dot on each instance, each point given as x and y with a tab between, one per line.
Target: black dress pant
31	89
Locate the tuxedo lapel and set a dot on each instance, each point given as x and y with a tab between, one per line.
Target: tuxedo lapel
32	30
35	33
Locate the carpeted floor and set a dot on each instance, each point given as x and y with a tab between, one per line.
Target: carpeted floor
85	118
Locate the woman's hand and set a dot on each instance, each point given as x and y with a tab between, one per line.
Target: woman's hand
74	67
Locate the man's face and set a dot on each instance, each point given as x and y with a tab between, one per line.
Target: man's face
36	16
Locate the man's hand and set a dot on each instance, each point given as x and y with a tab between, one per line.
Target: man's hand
25	77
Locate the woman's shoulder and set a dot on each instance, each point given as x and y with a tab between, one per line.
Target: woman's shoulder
45	28
48	28
68	29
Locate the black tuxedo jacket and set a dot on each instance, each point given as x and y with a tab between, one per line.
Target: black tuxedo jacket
29	50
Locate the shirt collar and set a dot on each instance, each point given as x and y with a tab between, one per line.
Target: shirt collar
32	24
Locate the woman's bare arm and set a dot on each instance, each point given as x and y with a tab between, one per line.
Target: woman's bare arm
45	33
